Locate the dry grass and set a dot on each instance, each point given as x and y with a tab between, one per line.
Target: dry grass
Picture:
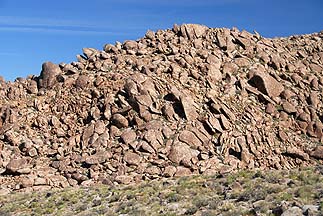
240	193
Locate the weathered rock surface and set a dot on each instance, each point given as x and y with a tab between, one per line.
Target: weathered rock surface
187	100
267	84
48	75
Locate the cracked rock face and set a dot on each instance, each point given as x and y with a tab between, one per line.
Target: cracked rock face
181	101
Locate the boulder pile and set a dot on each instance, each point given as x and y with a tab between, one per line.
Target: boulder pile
182	101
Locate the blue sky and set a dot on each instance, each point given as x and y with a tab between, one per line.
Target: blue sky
35	31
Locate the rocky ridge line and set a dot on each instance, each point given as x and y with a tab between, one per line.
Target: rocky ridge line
182	101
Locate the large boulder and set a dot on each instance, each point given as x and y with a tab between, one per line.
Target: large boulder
180	151
191	31
18	166
267	84
48	75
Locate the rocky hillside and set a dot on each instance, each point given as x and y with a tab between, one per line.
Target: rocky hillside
182	101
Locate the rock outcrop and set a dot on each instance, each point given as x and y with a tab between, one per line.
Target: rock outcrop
48	75
187	100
